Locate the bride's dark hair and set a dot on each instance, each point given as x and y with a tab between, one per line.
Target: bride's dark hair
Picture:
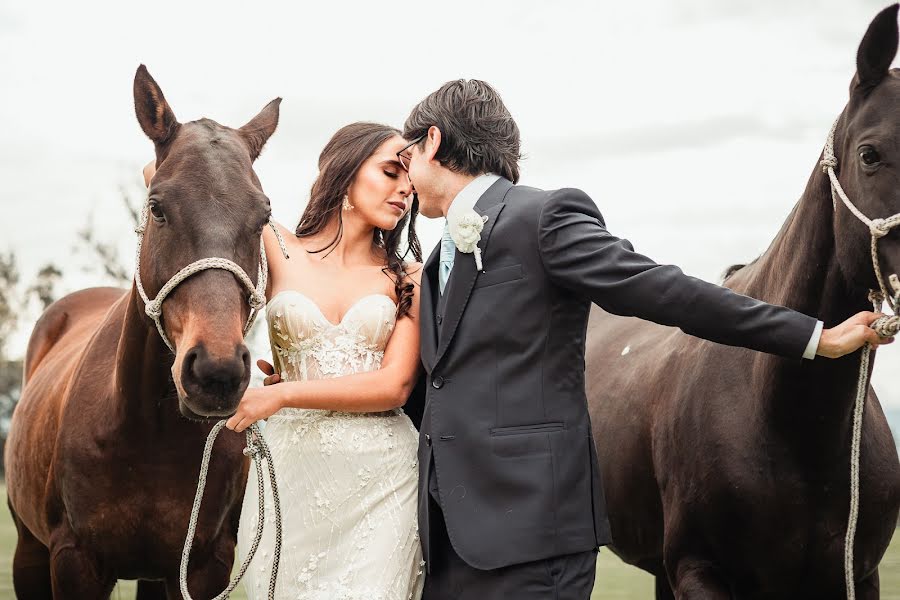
339	163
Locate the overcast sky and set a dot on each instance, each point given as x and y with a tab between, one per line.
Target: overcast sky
693	124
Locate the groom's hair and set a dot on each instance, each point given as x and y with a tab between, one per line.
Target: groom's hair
478	135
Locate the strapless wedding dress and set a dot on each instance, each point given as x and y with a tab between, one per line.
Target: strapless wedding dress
347	481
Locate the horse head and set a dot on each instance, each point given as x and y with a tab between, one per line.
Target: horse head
204	201
867	161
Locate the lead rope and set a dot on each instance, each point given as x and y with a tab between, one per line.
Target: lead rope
886	326
258	450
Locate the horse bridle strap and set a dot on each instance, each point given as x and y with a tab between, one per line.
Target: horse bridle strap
257	298
878	228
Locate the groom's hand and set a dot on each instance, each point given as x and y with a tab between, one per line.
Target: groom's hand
269	370
850	336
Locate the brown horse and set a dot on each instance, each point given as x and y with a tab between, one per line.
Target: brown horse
102	463
727	471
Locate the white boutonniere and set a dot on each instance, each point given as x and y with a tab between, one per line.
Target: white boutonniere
465	229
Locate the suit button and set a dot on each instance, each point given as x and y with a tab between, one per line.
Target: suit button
440	319
437	383
427	440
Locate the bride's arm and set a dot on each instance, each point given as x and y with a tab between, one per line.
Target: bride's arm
380	390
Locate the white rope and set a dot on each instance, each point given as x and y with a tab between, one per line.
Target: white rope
258	450
886	326
257	298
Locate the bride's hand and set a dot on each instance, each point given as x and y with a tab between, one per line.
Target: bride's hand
256	405
269	370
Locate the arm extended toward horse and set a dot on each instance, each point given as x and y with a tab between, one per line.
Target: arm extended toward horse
580	254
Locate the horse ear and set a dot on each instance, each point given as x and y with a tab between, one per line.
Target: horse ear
153	112
260	127
877	50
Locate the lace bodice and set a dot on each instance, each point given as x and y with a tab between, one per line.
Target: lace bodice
347	480
306	345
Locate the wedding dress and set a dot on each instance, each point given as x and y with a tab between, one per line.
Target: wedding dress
347	481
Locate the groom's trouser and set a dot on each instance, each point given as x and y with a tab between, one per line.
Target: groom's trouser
568	577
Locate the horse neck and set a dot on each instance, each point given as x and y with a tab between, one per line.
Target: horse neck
143	392
800	270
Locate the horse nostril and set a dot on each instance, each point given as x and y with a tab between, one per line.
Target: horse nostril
190	361
243	354
196	363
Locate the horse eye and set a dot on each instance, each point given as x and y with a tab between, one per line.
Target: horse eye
157	212
869	156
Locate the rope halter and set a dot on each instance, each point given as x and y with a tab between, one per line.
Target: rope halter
878	228
257	298
885	327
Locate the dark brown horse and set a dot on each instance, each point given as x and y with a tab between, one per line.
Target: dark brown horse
102	462
727	471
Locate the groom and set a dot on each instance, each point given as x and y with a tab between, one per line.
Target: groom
510	499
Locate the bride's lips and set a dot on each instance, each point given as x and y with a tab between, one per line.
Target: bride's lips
400	206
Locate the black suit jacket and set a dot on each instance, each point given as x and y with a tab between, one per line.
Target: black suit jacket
505	427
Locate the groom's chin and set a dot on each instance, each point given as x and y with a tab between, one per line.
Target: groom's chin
427	210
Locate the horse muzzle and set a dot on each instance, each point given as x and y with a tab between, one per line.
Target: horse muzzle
213	386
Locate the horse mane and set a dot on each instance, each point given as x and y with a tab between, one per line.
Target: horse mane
735	268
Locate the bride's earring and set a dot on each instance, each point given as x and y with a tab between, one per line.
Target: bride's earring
346	203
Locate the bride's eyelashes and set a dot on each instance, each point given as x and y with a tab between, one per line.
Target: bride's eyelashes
390	174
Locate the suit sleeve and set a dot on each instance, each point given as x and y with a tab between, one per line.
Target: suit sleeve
581	255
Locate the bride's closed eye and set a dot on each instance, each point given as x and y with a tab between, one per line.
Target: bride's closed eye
390	174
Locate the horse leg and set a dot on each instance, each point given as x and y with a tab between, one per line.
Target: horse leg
31	564
869	588
697	579
75	572
151	590
208	573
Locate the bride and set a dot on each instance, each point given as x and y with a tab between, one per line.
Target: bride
342	314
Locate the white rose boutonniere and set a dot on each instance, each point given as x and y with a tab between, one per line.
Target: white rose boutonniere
465	229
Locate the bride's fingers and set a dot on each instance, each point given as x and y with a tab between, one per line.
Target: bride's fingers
232	422
265	367
272	379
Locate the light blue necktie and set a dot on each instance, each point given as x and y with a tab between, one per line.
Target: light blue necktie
448	252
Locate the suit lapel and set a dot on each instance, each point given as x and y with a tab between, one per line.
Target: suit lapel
464	274
427	303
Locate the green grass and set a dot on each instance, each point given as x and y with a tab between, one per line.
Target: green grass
615	580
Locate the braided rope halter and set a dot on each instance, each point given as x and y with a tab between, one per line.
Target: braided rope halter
257	299
885	327
256	448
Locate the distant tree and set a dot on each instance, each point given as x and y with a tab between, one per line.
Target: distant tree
11	304
14	303
43	287
105	256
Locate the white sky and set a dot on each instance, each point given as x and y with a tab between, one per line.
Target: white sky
694	124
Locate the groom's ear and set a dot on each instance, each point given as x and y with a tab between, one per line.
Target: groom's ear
432	143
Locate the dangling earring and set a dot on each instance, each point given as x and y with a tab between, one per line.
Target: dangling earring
346	203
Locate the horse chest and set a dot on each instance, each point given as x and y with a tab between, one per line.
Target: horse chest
135	501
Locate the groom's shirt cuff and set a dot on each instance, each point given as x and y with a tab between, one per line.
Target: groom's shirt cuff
813	344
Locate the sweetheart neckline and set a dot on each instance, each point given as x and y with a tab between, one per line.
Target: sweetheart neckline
319	310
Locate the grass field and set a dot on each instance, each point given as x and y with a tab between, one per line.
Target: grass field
615	580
